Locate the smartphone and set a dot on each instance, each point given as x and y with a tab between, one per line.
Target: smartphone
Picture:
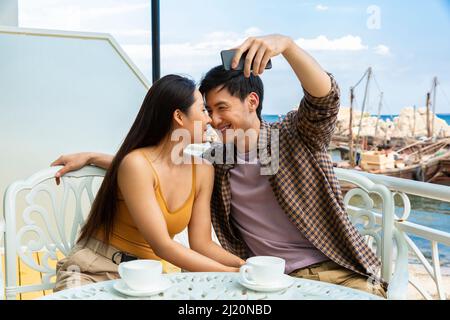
228	55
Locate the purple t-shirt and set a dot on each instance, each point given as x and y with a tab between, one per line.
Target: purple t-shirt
263	225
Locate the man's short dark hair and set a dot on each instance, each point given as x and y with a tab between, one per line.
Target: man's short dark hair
235	82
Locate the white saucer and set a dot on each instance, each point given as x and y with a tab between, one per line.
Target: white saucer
285	281
122	287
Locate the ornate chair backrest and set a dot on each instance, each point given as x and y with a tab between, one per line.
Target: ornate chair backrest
42	222
375	220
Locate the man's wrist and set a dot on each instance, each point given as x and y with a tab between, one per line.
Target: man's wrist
290	44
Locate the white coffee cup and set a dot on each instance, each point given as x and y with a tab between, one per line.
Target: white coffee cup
141	275
262	270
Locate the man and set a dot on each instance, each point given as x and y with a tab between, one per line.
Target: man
290	205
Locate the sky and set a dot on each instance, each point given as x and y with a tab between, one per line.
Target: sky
406	43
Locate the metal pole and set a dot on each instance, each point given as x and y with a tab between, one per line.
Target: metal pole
434	106
350	128
428	115
366	93
380	104
156	60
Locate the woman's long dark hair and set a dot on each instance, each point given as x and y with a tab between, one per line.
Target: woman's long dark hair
152	124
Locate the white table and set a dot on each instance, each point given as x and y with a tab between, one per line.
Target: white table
216	286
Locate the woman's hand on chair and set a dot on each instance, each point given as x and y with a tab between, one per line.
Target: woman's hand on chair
71	162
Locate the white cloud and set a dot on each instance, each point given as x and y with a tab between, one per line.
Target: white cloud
51	14
208	46
132	32
382	50
253	32
193	57
100	12
213	42
346	43
50	17
189	57
138	52
320	7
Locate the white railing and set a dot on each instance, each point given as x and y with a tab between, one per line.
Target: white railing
402	188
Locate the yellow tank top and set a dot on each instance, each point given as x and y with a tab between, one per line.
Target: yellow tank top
126	236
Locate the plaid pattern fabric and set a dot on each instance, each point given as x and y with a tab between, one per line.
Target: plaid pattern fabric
305	185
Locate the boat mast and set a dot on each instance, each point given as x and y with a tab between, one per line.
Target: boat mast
352	97
366	93
352	100
428	115
379	114
435	83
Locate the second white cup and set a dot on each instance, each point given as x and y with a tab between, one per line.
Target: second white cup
263	270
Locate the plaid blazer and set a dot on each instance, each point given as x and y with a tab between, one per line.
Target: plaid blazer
303	182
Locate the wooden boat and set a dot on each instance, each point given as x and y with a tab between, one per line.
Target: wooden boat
422	161
435	170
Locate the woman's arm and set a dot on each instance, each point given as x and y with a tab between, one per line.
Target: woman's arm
136	182
200	225
75	161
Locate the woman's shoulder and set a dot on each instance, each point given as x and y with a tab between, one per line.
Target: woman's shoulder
204	175
204	171
135	167
134	157
134	161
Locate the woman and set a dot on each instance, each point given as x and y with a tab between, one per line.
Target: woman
146	199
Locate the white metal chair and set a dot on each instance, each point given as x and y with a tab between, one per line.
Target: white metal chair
63	209
47	221
378	227
57	230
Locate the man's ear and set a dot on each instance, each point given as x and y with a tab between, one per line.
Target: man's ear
253	101
178	116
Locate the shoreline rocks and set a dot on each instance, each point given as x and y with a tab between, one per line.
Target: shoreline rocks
402	126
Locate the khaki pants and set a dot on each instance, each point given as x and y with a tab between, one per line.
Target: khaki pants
84	266
331	272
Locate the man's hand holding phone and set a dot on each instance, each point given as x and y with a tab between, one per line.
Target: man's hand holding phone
258	51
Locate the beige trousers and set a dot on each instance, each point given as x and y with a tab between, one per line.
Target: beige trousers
331	272
84	266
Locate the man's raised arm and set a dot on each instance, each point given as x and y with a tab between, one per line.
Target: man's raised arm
312	77
317	113
260	49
